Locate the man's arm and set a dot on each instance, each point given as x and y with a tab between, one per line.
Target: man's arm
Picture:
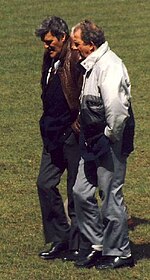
116	97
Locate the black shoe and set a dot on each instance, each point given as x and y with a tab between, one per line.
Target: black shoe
89	260
70	256
55	251
115	262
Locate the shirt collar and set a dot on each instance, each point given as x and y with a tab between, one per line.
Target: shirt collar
89	62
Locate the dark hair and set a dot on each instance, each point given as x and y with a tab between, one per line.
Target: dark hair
90	33
57	26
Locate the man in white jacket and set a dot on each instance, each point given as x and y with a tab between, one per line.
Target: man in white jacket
107	130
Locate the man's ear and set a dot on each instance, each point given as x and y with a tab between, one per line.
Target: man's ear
92	47
63	38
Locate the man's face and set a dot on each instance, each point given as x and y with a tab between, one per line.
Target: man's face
53	45
84	49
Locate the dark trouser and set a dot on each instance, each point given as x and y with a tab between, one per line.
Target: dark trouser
53	164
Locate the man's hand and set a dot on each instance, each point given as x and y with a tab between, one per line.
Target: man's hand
76	126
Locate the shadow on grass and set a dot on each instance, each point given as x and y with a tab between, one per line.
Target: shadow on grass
133	222
140	251
138	221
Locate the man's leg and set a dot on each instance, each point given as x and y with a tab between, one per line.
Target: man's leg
72	157
55	225
111	175
88	214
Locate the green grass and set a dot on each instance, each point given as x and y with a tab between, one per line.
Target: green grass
126	25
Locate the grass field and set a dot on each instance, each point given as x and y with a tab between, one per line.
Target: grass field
127	28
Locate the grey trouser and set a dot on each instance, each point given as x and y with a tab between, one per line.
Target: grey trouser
106	226
53	164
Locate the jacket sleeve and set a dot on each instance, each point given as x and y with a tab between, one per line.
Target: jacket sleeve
71	80
115	90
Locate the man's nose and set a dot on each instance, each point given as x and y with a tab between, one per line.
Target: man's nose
73	46
46	46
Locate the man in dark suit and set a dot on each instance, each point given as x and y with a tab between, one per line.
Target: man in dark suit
59	128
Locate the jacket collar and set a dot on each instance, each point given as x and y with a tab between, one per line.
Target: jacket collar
89	62
64	51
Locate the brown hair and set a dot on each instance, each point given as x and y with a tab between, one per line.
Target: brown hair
90	33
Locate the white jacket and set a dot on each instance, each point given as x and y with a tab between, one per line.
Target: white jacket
106	75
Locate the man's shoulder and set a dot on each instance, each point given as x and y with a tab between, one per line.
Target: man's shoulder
75	55
72	53
109	60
